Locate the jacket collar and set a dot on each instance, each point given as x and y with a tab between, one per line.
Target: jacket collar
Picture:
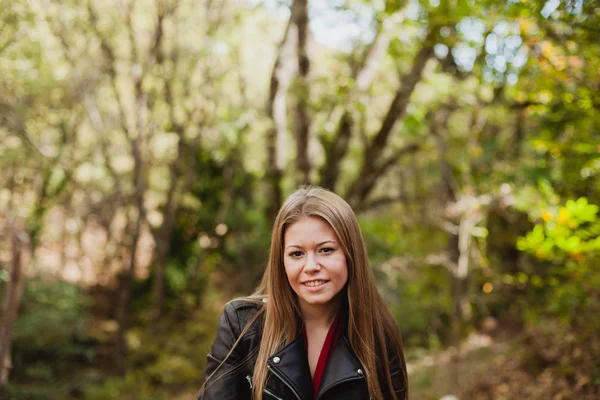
291	365
342	366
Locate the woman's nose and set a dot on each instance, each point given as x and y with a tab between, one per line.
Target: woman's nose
312	264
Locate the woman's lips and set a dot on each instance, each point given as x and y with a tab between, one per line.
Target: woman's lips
314	285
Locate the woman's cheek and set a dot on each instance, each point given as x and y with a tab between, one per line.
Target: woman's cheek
292	268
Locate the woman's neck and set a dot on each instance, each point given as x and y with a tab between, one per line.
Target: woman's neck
321	315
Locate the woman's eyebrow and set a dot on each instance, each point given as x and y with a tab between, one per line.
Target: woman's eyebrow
326	241
318	244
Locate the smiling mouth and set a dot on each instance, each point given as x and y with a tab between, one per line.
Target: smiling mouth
314	283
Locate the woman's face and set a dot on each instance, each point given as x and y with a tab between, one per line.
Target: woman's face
314	262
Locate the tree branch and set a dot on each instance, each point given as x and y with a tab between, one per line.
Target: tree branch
337	147
444	260
396	156
361	188
109	54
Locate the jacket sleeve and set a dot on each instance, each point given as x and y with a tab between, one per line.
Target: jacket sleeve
229	381
398	381
397	374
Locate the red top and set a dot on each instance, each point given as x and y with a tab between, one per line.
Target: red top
332	336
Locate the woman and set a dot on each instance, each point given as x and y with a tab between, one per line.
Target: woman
316	328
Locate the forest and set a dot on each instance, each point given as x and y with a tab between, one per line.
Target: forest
146	146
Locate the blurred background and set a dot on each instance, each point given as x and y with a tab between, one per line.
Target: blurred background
146	146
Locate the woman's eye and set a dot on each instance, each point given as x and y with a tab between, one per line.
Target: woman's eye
295	254
327	250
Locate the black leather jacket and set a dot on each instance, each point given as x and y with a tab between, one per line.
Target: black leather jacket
289	375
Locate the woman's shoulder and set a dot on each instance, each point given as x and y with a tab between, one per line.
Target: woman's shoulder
227	346
241	311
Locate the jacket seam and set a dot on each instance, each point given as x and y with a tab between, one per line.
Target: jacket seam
237	316
240	305
231	331
395	391
226	362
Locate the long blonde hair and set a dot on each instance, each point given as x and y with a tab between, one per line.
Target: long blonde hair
371	326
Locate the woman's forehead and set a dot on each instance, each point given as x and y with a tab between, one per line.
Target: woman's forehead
310	225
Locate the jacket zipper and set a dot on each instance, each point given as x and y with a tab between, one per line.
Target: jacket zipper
267	391
284	381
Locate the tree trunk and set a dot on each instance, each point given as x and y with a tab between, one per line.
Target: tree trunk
158	283
276	110
123	312
519	134
300	16
10	307
458	290
125	290
163	237
126	287
448	196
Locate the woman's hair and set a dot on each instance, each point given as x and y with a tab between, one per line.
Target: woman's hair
371	326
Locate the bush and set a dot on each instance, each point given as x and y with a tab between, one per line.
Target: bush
49	337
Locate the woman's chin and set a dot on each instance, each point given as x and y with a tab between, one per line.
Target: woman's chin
320	299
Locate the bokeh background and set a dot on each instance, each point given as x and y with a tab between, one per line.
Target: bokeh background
146	145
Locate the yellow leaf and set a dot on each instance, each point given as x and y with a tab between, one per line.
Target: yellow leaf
573	224
546	215
563	216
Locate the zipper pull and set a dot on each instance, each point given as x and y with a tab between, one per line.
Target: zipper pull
249	379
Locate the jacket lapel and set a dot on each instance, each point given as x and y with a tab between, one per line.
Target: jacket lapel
291	364
342	366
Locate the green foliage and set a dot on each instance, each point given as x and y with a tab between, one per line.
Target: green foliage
508	100
51	335
571	231
115	388
566	238
52	323
165	358
424	319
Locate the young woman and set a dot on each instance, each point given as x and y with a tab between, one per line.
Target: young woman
316	328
